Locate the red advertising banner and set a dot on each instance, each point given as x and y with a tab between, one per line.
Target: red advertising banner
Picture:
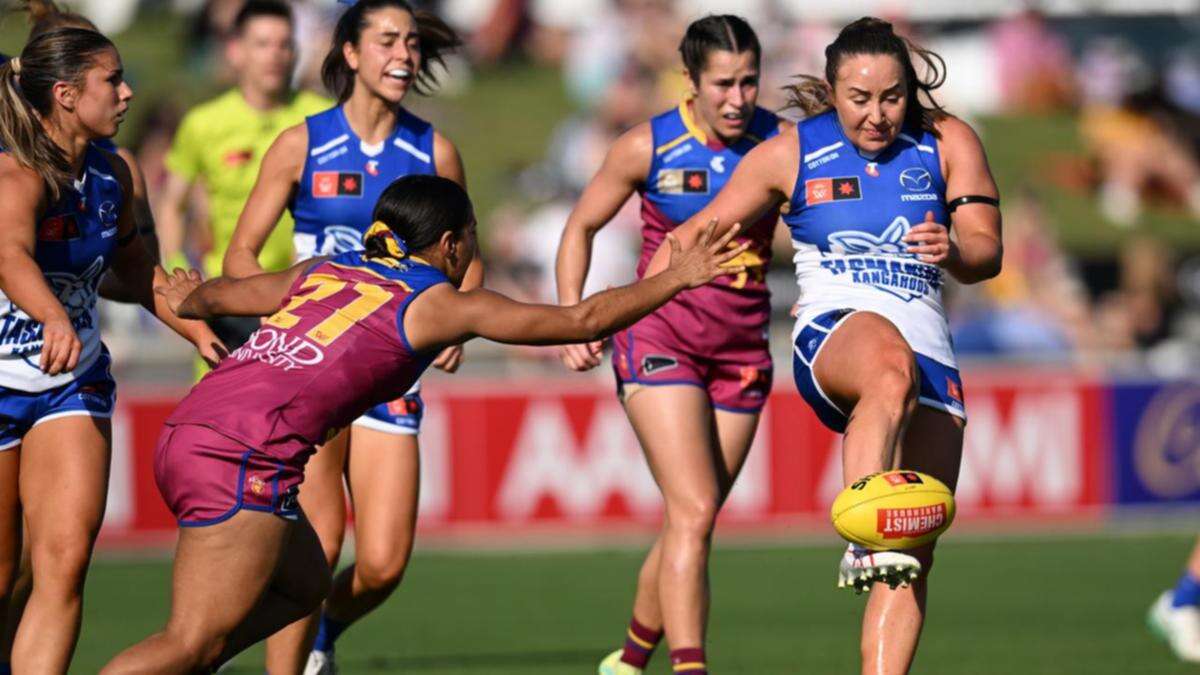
536	454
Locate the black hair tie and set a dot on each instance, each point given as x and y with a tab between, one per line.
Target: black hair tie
971	199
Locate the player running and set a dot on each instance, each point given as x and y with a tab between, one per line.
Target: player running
330	171
694	375
221	144
870	182
67	220
353	330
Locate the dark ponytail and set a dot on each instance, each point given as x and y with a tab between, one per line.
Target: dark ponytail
45	16
418	209
435	37
27	97
723	32
869	35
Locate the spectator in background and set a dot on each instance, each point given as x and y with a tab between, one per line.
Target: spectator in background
221	143
1134	150
1035	72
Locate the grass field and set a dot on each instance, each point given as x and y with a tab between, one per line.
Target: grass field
1003	607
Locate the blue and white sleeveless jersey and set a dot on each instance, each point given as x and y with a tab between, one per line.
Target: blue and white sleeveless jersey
343	178
848	214
76	239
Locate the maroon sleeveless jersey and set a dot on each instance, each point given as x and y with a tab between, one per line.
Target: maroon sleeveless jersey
335	348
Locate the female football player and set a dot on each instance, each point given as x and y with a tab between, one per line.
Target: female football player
694	375
353	330
69	220
871	183
330	171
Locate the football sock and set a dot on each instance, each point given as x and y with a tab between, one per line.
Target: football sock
328	631
1187	591
688	661
639	644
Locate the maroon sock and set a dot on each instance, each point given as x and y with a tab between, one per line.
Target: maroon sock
639	644
688	661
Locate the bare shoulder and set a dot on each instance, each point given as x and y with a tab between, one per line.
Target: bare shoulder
442	144
635	144
954	134
786	125
292	142
20	181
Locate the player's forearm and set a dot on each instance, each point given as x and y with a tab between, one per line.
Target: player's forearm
196	332
572	264
225	296
241	261
610	311
23	283
975	258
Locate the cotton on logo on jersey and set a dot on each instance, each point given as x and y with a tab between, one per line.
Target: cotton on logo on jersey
277	348
330	184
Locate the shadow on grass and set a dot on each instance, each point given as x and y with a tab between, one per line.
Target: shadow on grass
463	661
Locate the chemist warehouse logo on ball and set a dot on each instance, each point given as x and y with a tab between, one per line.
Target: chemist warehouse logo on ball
882	261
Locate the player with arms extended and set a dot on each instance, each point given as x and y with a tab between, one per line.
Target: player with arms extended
352	331
694	375
330	171
68	219
871	182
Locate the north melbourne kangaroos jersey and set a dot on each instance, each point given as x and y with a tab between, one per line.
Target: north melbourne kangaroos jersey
343	178
76	239
848	215
335	348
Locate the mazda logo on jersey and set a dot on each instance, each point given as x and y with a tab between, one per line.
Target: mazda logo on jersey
682	181
821	190
328	184
915	179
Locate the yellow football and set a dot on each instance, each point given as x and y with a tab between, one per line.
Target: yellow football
893	510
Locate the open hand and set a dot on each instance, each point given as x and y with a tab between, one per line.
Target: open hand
177	286
708	259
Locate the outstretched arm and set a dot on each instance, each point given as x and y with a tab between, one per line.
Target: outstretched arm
442	315
259	295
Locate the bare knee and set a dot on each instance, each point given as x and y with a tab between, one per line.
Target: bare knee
196	649
61	563
894	384
693	518
381	571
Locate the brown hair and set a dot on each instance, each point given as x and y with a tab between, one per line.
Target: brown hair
45	16
435	37
724	32
869	35
27	97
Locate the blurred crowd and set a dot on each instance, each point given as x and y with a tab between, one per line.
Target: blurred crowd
1136	112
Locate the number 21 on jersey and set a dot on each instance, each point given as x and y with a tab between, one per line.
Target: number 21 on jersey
323	286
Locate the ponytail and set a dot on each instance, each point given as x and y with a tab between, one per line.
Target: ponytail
436	40
869	35
27	98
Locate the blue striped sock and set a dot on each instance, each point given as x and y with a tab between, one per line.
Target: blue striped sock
328	631
1187	591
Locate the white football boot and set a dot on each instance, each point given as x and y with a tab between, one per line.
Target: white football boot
861	567
1179	626
320	663
613	665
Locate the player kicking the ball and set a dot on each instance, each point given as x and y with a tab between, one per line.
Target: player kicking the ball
346	333
871	183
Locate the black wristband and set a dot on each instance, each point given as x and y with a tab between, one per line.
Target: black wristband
971	199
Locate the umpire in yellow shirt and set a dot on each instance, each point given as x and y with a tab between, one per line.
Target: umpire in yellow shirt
221	143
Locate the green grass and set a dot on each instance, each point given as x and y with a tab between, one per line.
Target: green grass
1030	607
